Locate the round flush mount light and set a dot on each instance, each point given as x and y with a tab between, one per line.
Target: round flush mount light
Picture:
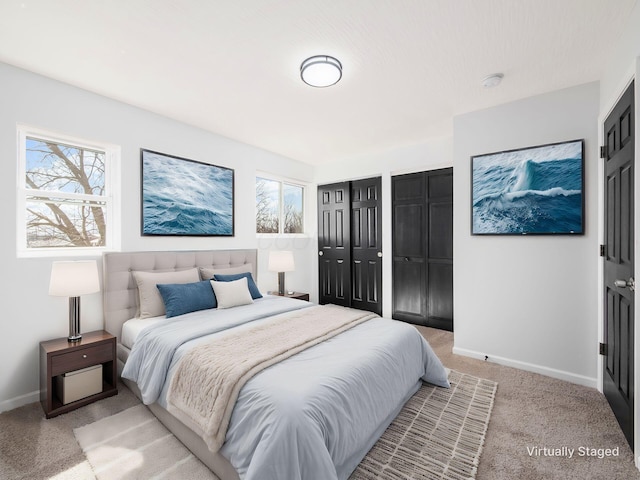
321	71
492	80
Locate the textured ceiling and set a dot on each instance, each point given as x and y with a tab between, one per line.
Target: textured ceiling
232	67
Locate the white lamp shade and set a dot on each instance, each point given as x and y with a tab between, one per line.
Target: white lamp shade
74	278
281	261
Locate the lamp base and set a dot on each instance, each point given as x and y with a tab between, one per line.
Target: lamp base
281	283
74	319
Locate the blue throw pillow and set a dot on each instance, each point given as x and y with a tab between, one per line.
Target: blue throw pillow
253	288
181	298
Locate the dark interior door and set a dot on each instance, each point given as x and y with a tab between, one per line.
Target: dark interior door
618	262
334	247
366	245
423	248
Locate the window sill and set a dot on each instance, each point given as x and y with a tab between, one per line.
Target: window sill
283	235
62	252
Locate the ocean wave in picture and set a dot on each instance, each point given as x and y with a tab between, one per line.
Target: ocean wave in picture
536	190
185	197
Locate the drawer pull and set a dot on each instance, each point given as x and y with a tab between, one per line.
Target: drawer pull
84	356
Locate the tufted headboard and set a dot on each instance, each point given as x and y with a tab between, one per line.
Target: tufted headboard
119	287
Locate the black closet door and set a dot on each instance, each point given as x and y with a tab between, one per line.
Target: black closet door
366	245
409	248
440	249
423	248
334	243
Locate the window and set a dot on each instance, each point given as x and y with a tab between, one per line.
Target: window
65	198
279	206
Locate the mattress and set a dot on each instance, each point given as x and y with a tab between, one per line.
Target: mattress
132	328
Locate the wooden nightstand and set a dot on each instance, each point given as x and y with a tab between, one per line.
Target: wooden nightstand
60	356
296	295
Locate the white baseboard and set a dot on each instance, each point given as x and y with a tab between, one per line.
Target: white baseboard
530	367
16	402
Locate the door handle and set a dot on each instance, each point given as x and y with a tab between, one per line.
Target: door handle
321	253
379	254
631	284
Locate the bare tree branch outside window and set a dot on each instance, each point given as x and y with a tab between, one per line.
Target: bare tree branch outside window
267	218
292	199
279	207
65	195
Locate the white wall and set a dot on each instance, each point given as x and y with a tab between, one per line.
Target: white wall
430	155
528	301
29	314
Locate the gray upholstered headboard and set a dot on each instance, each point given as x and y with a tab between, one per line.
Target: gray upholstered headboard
120	290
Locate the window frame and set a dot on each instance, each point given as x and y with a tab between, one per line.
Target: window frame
282	181
111	198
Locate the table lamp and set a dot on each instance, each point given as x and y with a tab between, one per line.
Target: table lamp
281	261
72	279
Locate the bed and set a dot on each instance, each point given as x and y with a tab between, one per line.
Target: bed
309	412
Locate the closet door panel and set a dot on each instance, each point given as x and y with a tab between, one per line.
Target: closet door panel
440	298
440	215
439	235
366	245
408	228
409	248
409	301
334	247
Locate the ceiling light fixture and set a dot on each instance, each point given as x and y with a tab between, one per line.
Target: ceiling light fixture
321	71
492	80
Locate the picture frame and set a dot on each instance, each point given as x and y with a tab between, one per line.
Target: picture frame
184	197
535	190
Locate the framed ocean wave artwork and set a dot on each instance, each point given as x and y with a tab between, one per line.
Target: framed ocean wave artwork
529	191
185	197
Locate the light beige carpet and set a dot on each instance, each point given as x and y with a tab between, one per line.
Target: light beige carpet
438	435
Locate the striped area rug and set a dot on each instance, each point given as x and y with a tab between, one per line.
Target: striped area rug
133	444
438	435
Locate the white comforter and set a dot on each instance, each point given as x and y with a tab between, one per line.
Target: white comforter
312	416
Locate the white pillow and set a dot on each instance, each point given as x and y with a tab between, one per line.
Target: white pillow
232	294
151	303
208	273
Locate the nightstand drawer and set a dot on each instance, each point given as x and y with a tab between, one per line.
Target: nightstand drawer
83	357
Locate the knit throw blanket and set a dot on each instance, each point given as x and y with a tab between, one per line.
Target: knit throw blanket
209	377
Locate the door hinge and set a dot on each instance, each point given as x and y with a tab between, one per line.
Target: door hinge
603	151
603	349
602	250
